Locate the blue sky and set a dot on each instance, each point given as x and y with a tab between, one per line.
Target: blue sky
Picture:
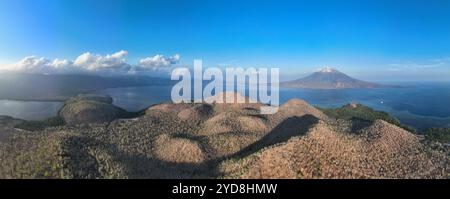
374	40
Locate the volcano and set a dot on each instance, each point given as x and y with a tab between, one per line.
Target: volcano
328	78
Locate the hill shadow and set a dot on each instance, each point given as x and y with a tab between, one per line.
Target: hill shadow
288	128
358	124
141	166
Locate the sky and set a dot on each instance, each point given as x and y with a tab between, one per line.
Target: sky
374	40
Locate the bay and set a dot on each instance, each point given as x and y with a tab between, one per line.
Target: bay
420	105
29	110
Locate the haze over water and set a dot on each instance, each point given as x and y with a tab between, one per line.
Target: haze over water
419	105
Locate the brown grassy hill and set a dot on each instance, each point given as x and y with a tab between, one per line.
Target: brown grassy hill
222	141
86	109
380	150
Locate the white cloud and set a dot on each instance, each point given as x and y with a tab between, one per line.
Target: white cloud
33	64
159	61
115	63
87	63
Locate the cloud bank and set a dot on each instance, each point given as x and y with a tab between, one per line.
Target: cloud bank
429	70
159	61
88	63
414	66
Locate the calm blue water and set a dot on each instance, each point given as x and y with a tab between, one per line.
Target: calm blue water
138	98
418	105
29	110
421	106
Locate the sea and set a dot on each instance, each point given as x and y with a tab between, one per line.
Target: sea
420	105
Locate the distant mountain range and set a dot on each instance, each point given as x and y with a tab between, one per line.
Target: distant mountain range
42	87
329	78
61	87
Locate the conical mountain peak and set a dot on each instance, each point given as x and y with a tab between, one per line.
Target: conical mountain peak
328	78
328	70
